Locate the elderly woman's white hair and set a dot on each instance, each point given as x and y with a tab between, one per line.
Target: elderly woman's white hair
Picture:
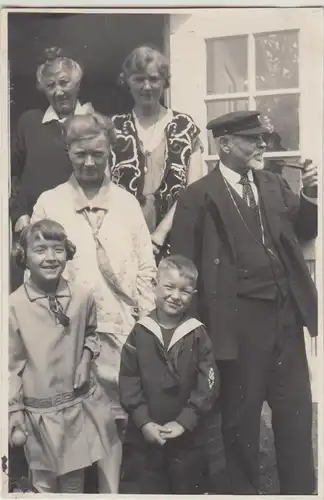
56	55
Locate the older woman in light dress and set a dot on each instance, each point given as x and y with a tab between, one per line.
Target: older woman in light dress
114	254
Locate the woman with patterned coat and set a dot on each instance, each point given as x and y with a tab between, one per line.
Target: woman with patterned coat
158	150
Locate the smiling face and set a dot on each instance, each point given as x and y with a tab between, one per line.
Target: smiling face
89	157
60	88
173	292
146	86
45	259
247	151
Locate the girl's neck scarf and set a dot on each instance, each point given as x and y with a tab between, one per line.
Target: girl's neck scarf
58	311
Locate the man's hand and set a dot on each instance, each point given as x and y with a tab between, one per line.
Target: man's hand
172	430
153	433
21	223
310	179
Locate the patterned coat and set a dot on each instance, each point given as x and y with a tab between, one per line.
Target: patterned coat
128	159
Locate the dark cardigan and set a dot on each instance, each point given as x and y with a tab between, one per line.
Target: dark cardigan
39	159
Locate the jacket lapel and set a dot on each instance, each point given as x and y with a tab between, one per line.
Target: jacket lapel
272	203
268	196
219	195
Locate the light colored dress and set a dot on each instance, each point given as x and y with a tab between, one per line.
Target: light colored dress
67	429
126	240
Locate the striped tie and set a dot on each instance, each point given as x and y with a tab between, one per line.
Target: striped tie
248	195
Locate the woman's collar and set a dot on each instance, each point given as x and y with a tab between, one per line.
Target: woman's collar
100	201
154	138
80	109
164	119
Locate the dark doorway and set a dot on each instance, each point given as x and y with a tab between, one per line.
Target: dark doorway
99	42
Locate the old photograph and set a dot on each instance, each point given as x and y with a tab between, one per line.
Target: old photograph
164	251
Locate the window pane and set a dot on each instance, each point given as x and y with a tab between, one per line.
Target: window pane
218	108
276	60
291	174
227	65
211	164
282	113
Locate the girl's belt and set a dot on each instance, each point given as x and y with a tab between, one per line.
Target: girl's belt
64	399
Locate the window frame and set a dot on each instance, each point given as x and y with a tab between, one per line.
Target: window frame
252	93
188	63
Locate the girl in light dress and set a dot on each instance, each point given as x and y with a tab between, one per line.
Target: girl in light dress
54	400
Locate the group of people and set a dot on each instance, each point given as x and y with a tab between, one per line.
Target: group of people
154	292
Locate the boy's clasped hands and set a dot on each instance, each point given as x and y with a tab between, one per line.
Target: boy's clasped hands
160	434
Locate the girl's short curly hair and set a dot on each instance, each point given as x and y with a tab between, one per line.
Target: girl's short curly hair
138	60
87	126
49	230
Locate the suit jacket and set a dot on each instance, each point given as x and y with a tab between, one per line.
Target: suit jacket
202	232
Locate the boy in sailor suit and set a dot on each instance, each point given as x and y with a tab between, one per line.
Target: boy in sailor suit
168	383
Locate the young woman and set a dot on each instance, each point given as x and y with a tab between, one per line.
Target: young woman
158	150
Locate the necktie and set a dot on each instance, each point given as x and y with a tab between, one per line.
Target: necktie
248	195
57	309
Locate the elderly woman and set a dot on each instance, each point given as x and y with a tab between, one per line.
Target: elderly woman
158	150
114	254
39	158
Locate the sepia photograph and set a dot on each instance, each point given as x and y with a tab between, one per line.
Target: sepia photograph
163	335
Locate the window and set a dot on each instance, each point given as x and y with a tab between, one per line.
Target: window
259	71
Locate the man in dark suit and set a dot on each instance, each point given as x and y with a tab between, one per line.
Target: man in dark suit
241	226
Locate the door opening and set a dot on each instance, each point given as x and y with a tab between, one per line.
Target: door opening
100	42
